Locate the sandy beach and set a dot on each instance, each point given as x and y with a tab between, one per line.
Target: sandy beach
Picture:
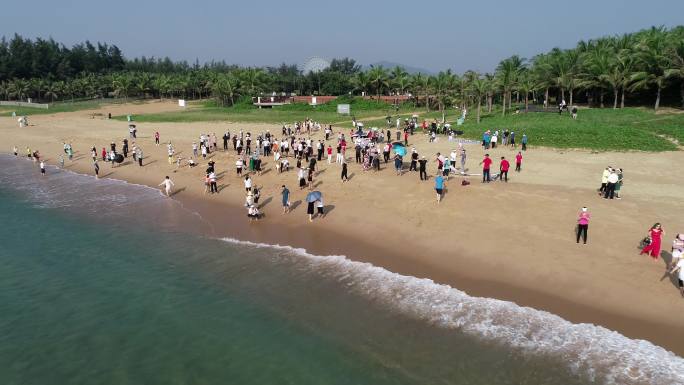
511	241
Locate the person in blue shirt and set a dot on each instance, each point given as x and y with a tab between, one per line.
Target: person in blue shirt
286	199
439	186
524	142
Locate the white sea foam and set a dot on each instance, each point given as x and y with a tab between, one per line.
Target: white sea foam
592	351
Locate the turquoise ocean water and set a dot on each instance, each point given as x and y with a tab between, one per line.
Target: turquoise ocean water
102	283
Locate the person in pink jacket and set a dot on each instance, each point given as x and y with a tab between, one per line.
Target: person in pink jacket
583	224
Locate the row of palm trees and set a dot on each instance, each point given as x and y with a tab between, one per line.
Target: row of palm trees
226	87
645	61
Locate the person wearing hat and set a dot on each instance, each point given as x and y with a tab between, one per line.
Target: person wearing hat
604	180
414	160
613	179
583	224
422	168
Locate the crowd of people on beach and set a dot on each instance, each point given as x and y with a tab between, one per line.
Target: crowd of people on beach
372	148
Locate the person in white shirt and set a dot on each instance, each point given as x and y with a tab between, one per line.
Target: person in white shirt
42	167
677	249
239	164
253	212
495	138
452	159
604	180
679	266
168	185
248	183
613	178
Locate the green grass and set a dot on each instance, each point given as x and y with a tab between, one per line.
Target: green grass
58	107
596	129
242	112
629	129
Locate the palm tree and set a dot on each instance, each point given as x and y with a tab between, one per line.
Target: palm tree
225	86
399	79
598	62
379	79
361	82
443	87
542	71
421	83
142	83
527	84
479	88
122	85
506	74
52	90
676	54
20	88
252	80
652	56
5	89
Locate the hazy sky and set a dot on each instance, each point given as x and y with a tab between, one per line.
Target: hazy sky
426	33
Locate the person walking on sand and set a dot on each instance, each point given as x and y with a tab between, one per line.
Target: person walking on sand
518	161
398	163
679	266
343	175
583	224
504	165
319	208
285	193
310	210
655	233
97	169
140	156
212	183
422	168
168	185
439	186
486	164
463	159
156	138
239	164
248	183
524	142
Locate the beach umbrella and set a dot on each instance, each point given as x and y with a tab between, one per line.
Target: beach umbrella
119	158
314	196
399	150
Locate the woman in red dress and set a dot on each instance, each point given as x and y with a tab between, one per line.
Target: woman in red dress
653	248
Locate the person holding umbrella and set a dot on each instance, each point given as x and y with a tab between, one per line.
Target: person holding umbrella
311	199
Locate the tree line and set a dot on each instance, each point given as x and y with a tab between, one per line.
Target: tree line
641	66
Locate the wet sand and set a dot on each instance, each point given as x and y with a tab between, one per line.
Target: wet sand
510	241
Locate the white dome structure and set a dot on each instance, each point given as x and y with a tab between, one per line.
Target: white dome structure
314	64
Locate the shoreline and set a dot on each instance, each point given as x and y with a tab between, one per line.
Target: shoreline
515	252
399	261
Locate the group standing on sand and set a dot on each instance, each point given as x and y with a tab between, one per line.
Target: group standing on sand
371	150
611	183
